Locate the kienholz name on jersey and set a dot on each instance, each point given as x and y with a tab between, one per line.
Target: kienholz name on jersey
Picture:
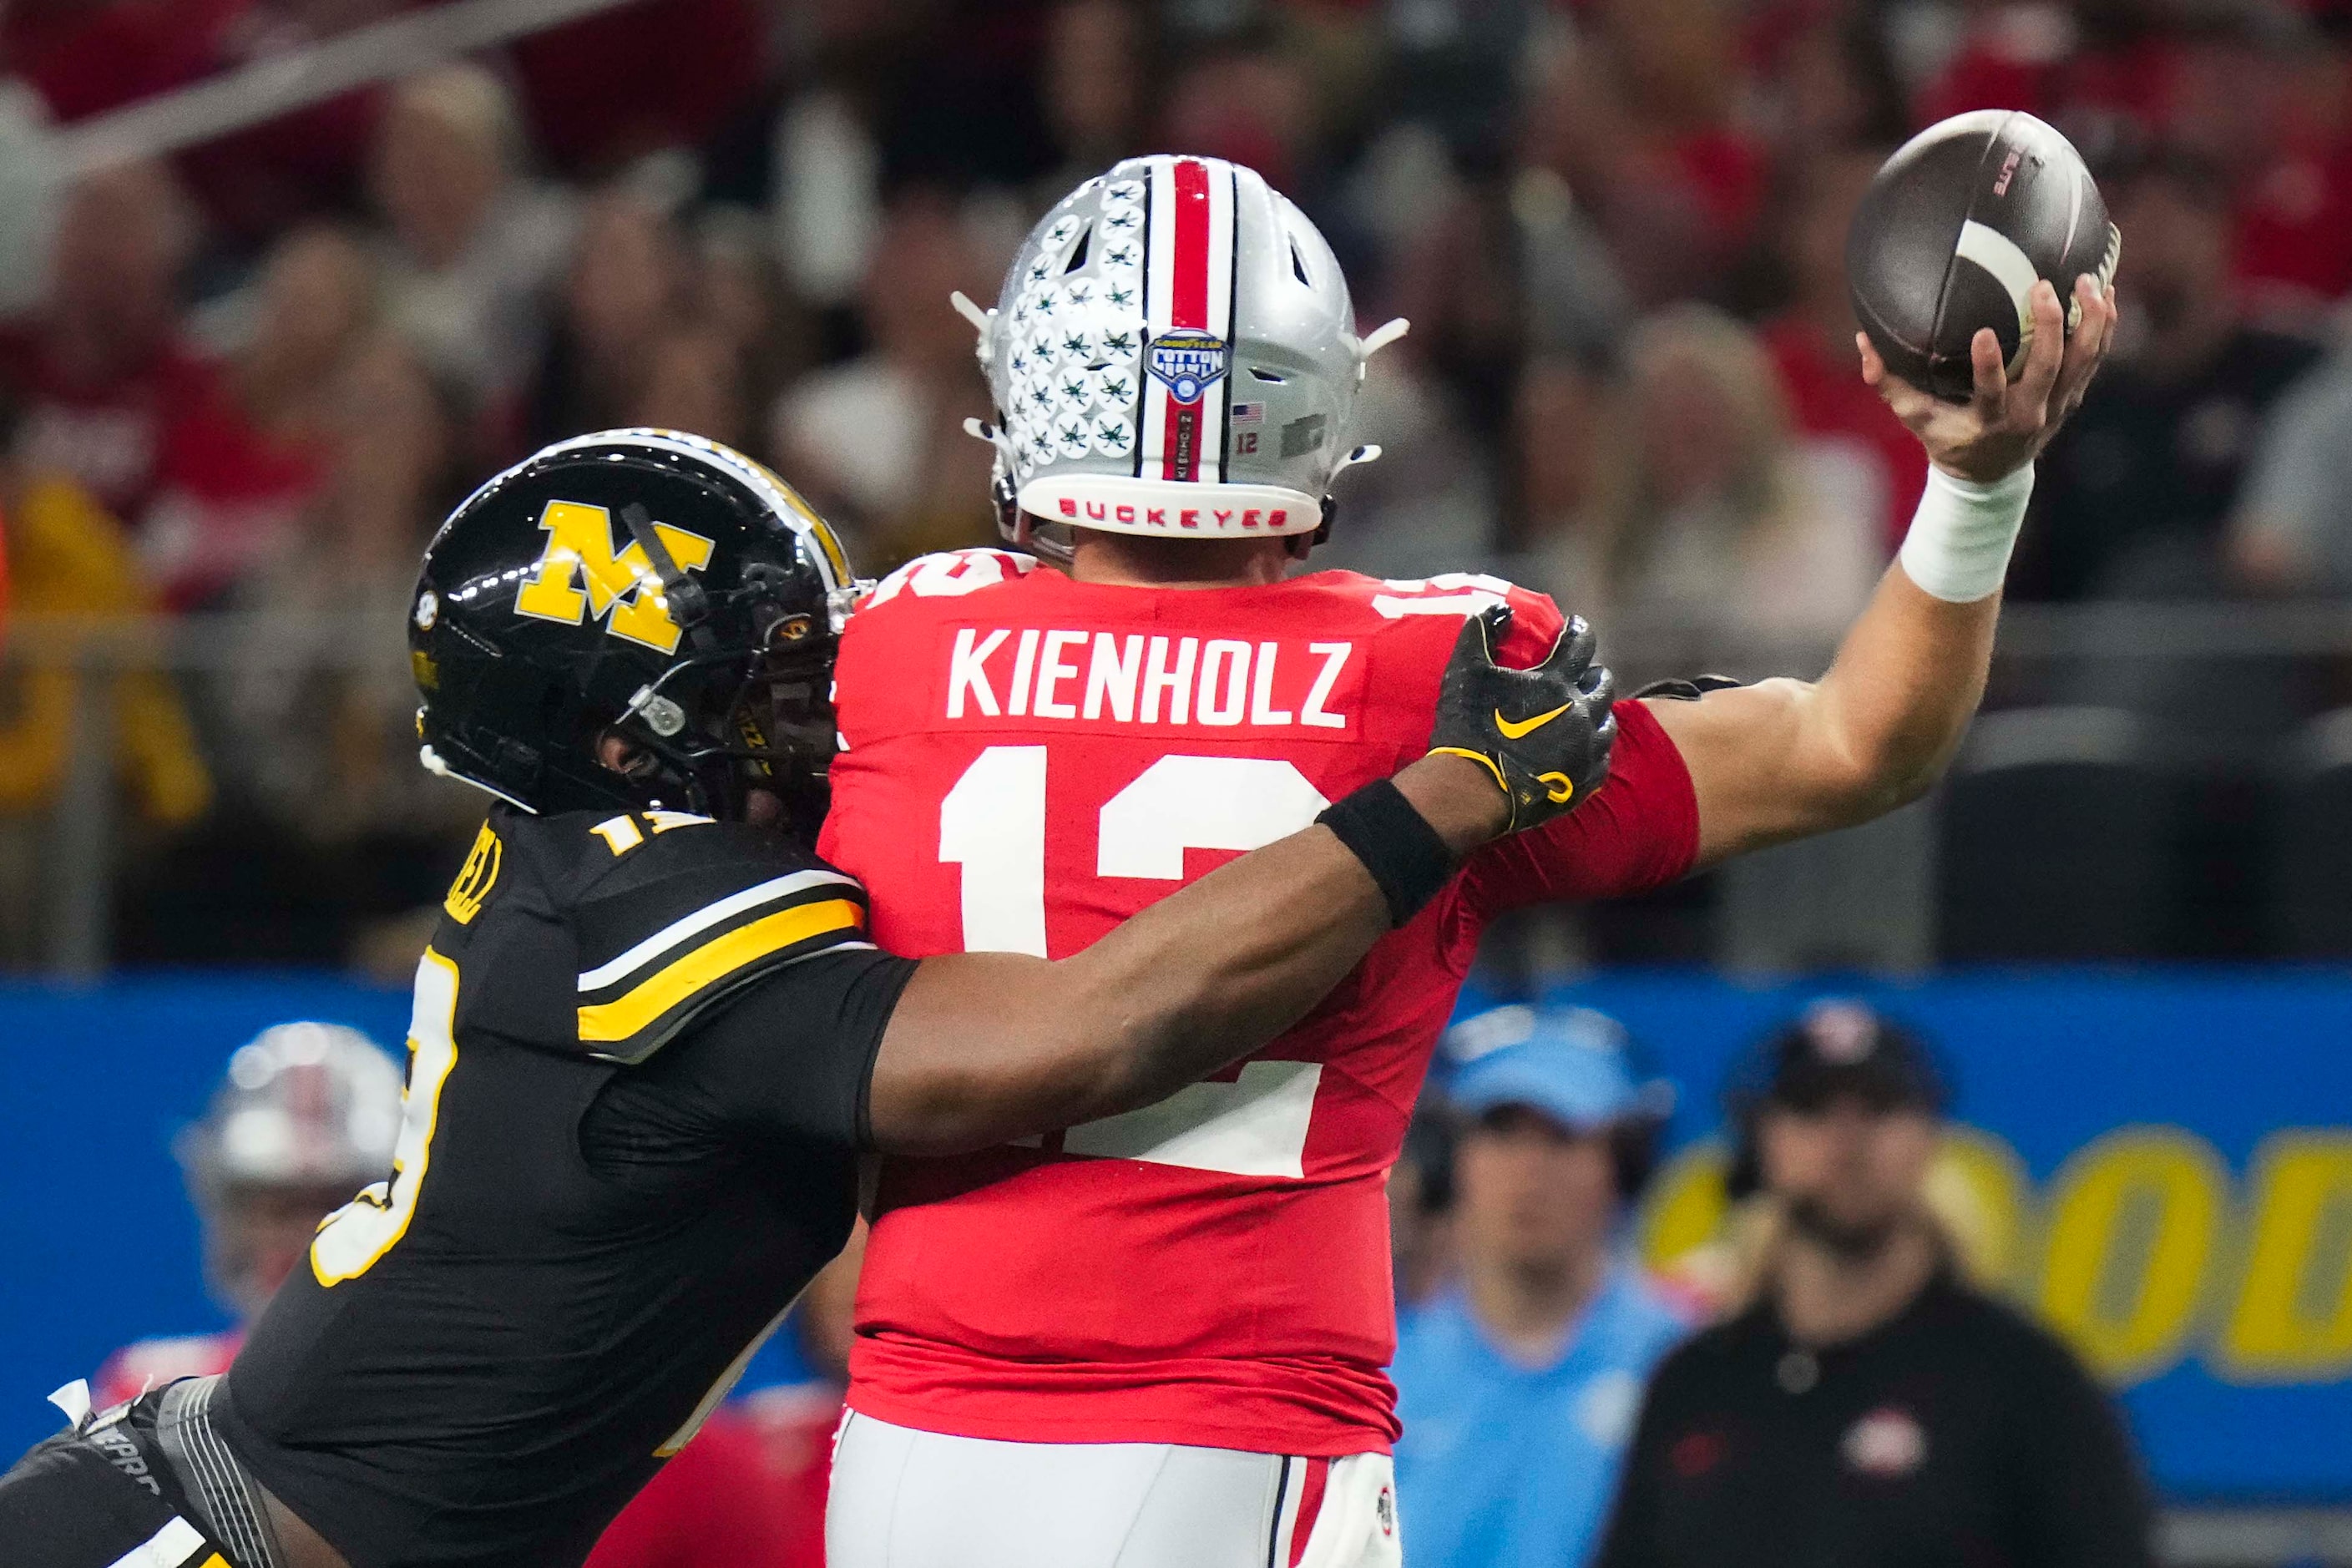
1138	678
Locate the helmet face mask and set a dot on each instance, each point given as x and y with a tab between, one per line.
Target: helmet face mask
755	723
643	586
1174	355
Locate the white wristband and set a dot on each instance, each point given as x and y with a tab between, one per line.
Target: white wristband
1957	548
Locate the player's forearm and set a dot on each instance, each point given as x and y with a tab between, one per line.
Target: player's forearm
1244	954
988	1047
1783	759
1883	722
1893	708
1176	999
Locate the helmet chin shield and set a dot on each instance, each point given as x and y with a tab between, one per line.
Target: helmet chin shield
1174	355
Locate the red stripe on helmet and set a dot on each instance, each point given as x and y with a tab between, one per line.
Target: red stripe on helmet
1188	307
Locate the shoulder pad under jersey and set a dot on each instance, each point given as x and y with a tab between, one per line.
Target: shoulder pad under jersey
950	574
666	913
1536	621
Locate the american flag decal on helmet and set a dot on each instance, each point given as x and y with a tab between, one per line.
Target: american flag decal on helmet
1189	308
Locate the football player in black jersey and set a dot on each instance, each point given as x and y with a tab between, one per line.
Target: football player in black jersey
650	1041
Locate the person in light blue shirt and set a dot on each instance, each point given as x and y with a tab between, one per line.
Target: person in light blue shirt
1518	1383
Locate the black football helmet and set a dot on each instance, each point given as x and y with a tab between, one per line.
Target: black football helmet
639	582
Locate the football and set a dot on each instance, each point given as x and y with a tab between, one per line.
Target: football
1953	230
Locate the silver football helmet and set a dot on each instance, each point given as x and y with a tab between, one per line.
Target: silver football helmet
1173	353
307	1114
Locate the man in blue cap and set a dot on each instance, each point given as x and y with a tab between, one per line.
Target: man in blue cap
1518	1384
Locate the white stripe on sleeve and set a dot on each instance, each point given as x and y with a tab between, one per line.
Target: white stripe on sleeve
702	919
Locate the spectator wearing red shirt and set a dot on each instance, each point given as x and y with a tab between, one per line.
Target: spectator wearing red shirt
1642	122
106	372
84	59
256	181
243	464
748	1490
2260	91
667	73
2009	57
2080	68
1841	420
2279	110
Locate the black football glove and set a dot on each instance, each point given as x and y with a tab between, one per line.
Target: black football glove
1544	732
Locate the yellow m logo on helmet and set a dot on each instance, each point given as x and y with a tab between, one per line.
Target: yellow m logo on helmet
580	574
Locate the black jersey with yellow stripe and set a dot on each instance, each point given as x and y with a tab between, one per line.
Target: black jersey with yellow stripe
639	1051
658	914
679	913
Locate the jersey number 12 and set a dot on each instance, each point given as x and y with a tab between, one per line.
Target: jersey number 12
992	825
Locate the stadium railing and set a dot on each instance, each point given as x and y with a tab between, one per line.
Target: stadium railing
2135	787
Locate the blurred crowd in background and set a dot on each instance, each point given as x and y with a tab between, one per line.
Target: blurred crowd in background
1569	1394
1573	1391
255	377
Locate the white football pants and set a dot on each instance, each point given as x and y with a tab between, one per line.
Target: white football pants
905	1499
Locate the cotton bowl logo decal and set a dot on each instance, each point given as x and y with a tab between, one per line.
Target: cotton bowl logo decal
1190	363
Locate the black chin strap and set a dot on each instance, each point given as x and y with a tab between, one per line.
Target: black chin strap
688	605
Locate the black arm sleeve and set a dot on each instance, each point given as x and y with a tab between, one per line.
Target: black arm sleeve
2082	1501
793	1056
786	1060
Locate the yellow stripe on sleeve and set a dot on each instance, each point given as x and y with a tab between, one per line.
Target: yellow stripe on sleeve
715	960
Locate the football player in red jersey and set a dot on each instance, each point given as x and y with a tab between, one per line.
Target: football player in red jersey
306	1114
1158	1339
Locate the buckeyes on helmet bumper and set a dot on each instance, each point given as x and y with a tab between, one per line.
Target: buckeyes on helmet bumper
1174	353
639	582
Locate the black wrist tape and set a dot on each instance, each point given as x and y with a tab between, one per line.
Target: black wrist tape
1396	844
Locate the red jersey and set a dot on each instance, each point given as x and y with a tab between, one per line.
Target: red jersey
151	1363
1032	760
747	1492
120	437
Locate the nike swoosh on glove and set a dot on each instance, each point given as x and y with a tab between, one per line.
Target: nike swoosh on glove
1545	733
